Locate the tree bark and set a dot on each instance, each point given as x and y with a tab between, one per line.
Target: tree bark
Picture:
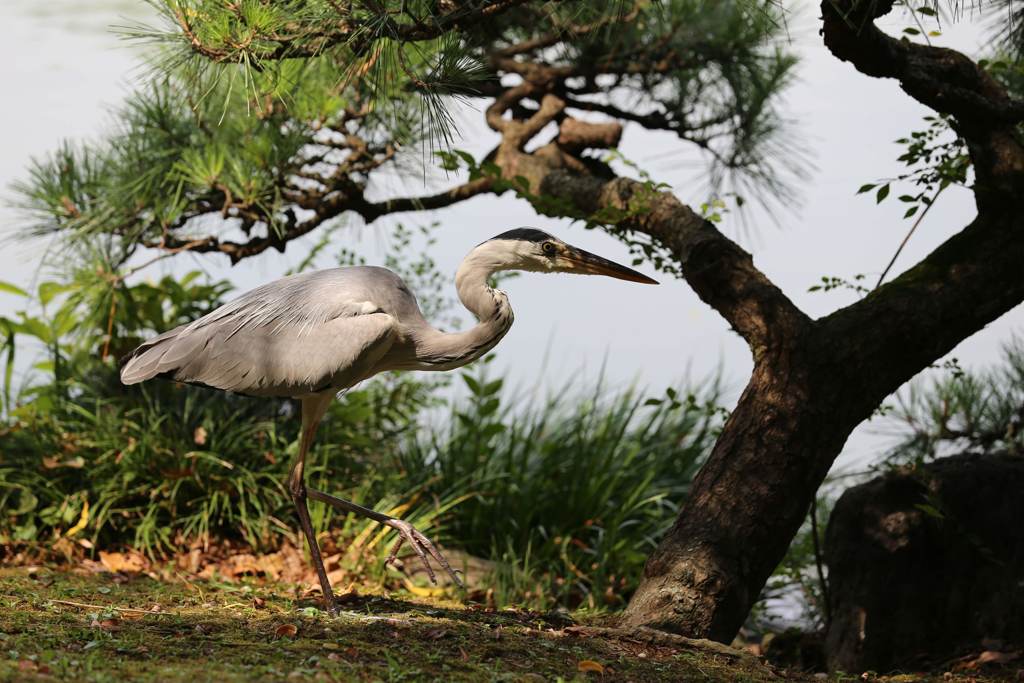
814	381
814	384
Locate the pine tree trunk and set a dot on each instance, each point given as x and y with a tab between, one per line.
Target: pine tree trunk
813	383
745	506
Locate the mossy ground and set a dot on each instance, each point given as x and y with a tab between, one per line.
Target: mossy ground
198	631
61	625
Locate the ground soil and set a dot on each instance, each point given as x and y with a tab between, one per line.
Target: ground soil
82	625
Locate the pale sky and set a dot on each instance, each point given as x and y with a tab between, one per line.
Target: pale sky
63	70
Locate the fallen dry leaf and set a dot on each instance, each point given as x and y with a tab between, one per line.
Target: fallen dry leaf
258	602
993	657
988	657
123	562
590	666
106	624
286	631
437	633
199	436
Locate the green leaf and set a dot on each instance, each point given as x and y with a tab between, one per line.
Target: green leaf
473	385
8	370
11	289
27	502
48	290
490	407
882	193
492	429
911	211
36	328
930	510
866	188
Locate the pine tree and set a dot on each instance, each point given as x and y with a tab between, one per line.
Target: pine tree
272	118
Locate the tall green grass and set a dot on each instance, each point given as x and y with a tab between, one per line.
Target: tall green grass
565	495
568	494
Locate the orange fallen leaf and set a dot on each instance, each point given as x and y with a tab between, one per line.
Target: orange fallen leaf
286	631
122	562
590	666
52	462
106	624
993	657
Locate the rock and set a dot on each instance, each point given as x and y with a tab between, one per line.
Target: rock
924	566
795	649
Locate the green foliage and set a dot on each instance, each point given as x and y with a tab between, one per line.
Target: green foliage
796	582
570	494
163	465
246	119
567	496
962	411
193	144
829	283
935	159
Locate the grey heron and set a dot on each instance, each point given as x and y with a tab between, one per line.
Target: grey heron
312	335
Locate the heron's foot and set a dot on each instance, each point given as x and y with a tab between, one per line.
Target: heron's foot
331	604
407	533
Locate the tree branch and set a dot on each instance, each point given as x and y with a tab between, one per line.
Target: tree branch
331	206
359	35
943	79
720	272
975	276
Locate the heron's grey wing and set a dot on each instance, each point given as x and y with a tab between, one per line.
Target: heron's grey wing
294	337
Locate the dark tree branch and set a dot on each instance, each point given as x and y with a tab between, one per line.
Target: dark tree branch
720	272
358	35
943	79
331	206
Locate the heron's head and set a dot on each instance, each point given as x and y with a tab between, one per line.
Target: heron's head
534	250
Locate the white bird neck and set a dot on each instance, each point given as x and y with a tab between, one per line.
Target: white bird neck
471	284
445	351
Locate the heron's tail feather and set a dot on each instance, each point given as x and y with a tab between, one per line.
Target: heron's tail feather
160	355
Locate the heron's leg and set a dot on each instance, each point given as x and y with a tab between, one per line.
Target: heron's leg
407	533
313	410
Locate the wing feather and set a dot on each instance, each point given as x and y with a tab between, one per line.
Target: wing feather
293	337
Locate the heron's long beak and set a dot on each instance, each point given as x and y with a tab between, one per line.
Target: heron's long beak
592	264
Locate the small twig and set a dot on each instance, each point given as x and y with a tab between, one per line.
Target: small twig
119	609
650	636
906	239
110	324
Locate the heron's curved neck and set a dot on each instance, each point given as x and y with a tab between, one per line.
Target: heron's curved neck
445	351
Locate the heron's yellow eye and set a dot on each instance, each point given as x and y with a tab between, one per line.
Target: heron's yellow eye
549	248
